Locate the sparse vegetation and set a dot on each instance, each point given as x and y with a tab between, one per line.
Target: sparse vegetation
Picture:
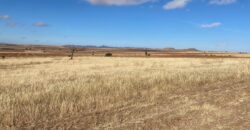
124	93
147	54
72	53
109	54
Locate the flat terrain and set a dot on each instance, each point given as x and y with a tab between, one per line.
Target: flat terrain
125	93
9	50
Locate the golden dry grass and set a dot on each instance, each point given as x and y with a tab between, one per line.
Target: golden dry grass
124	93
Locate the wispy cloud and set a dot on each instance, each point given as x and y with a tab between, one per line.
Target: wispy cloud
118	2
4	17
40	24
222	2
211	25
11	24
174	4
8	22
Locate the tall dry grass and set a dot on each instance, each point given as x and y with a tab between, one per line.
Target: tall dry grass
88	93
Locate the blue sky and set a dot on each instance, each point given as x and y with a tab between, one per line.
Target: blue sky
201	24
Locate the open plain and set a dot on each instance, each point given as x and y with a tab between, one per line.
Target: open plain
124	65
124	93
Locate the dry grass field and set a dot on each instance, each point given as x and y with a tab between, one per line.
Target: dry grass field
125	93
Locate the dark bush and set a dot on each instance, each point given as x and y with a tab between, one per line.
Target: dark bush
108	54
3	57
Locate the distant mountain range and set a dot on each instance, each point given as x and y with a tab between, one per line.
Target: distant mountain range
88	46
102	46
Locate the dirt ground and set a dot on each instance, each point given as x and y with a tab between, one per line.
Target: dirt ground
8	50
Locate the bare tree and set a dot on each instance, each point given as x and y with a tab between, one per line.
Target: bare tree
72	53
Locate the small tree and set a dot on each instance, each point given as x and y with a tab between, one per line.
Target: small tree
72	53
3	57
146	53
93	53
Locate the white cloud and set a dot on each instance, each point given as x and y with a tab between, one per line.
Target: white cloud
211	25
222	2
118	2
174	4
4	17
40	24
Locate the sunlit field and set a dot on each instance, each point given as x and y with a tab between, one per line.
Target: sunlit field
124	93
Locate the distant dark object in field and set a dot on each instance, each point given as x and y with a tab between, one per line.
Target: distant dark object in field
3	57
72	53
149	54
146	53
108	54
93	53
